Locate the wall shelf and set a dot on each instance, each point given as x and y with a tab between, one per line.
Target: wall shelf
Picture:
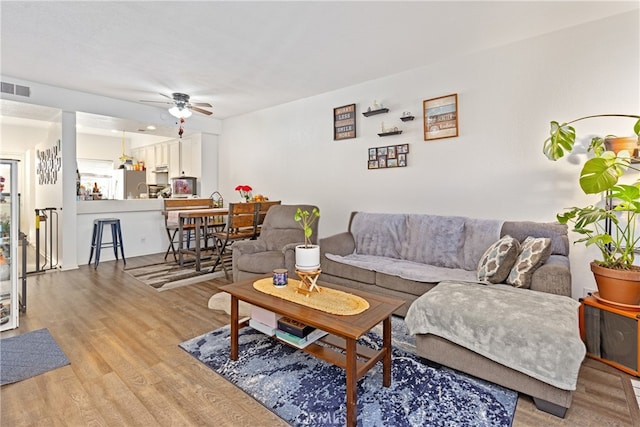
374	112
407	118
395	132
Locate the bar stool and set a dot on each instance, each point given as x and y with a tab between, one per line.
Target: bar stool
96	238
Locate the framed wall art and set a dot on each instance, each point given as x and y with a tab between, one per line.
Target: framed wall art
440	117
389	156
344	122
48	164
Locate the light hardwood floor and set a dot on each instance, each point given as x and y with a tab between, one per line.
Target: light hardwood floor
126	369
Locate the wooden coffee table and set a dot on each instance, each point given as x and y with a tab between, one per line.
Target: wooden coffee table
343	332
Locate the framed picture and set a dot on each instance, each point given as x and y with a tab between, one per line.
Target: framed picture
391	152
344	122
390	156
440	117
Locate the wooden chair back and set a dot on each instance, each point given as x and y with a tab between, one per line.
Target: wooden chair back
171	220
242	219
183	204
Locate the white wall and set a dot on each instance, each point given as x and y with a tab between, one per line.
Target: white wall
494	169
100	147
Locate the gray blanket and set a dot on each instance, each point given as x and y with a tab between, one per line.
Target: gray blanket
406	269
535	333
442	241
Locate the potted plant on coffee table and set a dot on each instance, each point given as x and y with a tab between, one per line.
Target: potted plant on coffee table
308	254
611	227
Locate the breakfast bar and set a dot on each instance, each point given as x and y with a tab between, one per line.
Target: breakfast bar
141	220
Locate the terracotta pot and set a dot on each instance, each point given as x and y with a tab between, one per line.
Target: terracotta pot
618	286
629	143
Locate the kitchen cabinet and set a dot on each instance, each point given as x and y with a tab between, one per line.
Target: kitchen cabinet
161	154
174	159
187	158
149	158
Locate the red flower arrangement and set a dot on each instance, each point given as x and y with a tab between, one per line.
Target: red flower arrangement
245	191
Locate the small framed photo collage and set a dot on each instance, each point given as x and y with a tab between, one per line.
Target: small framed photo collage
390	156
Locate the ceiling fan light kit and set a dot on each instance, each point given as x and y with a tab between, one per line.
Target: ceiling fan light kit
180	112
182	107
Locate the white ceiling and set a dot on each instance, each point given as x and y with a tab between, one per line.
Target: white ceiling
244	56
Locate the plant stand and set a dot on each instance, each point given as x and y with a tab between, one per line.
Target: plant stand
308	281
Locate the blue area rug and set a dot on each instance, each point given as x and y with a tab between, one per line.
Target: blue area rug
304	390
27	355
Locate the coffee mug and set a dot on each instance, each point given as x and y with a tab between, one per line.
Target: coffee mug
280	277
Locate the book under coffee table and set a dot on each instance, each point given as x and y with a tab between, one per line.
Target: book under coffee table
343	331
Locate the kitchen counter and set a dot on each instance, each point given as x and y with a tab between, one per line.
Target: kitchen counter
115	206
142	222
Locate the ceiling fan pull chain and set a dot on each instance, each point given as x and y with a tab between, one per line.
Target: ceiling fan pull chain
181	129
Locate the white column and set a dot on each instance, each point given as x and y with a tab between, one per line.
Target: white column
67	231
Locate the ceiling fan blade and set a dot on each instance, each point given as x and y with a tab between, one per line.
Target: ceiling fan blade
157	102
201	111
166	96
201	104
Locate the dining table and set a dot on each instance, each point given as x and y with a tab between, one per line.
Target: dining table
202	219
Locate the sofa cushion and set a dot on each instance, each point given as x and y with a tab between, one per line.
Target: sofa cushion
558	233
404	269
435	240
347	271
498	260
379	234
403	286
533	252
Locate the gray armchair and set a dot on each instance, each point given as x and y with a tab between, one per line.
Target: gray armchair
275	247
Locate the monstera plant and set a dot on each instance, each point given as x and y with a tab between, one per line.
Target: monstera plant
612	227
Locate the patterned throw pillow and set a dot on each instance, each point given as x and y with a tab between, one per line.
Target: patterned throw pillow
498	259
533	253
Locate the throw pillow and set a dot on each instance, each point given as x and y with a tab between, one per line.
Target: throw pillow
498	260
533	253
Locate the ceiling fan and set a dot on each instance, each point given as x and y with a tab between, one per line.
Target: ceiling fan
182	107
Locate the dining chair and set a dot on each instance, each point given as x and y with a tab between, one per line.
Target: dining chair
171	211
242	223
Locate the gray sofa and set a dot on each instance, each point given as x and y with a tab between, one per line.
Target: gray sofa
405	256
363	244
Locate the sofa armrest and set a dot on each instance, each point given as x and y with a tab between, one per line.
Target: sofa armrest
554	276
289	252
249	247
338	244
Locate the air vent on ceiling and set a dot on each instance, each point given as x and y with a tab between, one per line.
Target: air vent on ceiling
15	89
8	88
